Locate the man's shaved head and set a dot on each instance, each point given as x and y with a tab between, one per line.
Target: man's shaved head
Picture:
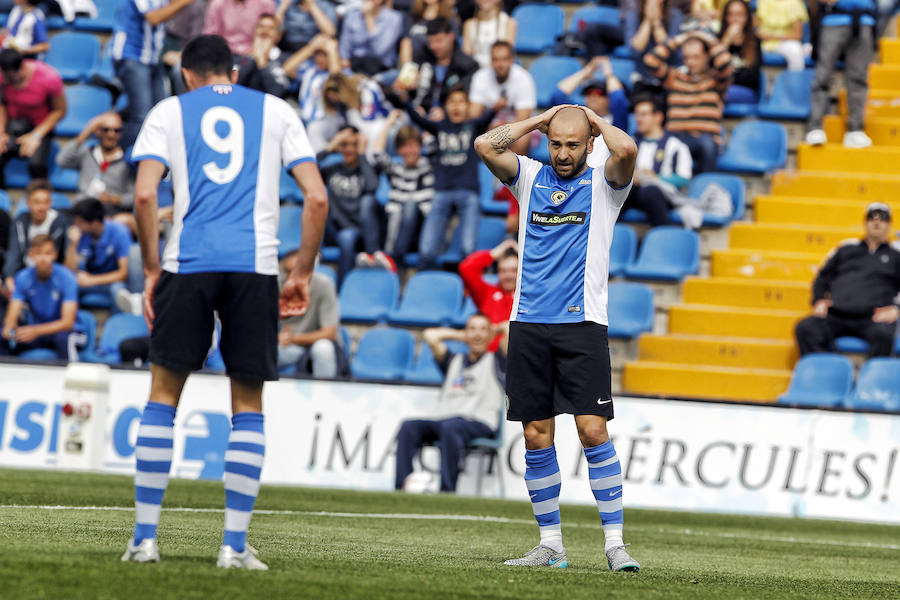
569	141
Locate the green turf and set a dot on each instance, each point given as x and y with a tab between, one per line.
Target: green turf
75	553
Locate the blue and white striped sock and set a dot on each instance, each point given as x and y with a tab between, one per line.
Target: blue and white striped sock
543	481
154	459
605	475
243	465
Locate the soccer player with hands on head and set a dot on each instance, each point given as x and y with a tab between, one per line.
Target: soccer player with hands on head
558	357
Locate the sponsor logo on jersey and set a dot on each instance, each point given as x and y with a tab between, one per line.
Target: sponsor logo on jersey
557	197
585	182
543	187
573	218
222	88
574	309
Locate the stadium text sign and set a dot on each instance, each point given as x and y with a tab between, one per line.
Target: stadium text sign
681	455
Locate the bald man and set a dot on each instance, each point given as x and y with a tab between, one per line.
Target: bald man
558	360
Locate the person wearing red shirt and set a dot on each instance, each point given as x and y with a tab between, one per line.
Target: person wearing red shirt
495	301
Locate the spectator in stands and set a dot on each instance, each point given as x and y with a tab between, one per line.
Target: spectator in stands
442	66
469	405
262	68
370	37
489	25
663	163
355	100
739	38
181	28
605	97
49	293
5	222
311	342
312	65
416	39
855	292
847	29
39	219
235	21
303	20
103	171
455	175
351	185
412	187
506	86
137	45
780	27
653	23
696	92
493	300
33	102
98	250
26	29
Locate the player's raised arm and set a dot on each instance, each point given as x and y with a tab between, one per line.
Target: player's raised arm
622	150
493	146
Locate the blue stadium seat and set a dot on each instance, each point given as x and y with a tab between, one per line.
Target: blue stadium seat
668	253
65	180
431	298
468	309
84	321
491	231
594	14
290	221
547	71
878	386
99	300
740	110
733	184
16	173
106	17
288	190
756	147
623	68
328	271
539	26
630	309
60	201
368	295
623	249
851	345
73	54
39	354
487	186
119	327
541	152
383	354
425	370
819	380
5	204
103	66
790	97
84	103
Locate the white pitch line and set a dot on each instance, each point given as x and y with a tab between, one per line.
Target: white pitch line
470	518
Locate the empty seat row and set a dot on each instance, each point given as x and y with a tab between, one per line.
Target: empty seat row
667	253
826	380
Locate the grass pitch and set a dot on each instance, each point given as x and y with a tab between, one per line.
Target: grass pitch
344	544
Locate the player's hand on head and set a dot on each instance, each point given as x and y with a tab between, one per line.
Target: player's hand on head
294	298
548	115
593	119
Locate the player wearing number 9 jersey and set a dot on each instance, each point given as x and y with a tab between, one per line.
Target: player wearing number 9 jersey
225	146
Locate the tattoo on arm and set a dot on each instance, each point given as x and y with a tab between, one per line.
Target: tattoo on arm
500	138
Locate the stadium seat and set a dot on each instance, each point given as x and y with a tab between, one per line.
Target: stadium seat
290	221
733	184
667	253
756	147
878	386
288	190
16	173
539	26
117	328
468	309
368	295
491	231
73	54
39	354
64	180
431	298
630	309
487	185
623	69
103	67
84	103
383	354
541	152
547	71
84	321
425	370
790	97
851	345
59	201
5	204
822	380
622	250
329	272
594	14
105	21
97	300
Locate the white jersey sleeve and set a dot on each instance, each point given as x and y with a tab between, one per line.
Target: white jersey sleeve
295	146
153	140
528	169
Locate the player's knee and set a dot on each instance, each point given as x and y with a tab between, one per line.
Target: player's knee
538	435
593	434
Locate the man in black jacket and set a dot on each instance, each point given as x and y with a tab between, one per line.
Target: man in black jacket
442	66
39	218
855	292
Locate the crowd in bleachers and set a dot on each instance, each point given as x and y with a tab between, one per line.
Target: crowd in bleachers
393	95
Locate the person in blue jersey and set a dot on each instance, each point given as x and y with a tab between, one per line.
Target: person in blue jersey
847	30
225	146
137	42
558	358
47	292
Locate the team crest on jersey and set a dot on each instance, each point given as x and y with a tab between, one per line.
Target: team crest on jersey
222	88
557	197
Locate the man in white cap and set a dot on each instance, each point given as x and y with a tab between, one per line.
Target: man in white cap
855	292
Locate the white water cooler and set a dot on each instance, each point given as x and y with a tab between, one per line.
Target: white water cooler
83	423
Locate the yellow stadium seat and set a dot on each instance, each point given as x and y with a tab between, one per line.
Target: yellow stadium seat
813	211
790	266
756	293
834	157
884	77
890	51
884	131
694	381
705	319
836	184
791	238
718	351
880	103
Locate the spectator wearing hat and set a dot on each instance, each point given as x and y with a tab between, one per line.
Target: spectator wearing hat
855	292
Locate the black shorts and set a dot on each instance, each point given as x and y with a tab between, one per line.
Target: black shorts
557	368
183	327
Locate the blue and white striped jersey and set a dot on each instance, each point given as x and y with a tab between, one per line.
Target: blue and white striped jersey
134	38
225	146
565	230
